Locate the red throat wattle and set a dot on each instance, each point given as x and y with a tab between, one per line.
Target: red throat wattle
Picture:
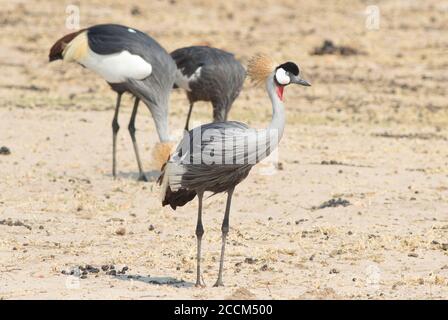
279	90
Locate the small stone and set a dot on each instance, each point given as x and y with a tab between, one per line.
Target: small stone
105	267
5	151
120	231
250	260
151	227
445	246
334	271
112	273
264	267
413	255
135	11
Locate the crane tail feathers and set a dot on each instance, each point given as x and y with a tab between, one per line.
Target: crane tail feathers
178	197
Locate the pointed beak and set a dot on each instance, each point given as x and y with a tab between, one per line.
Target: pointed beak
302	82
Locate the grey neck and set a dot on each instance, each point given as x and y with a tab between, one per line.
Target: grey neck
277	124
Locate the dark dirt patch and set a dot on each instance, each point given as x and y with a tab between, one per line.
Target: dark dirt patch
328	47
339	202
83	271
5	151
417	136
17	223
338	163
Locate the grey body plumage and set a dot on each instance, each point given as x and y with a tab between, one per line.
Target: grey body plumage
187	174
110	39
154	90
213	177
209	74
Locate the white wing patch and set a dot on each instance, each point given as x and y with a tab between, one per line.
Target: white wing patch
117	67
132	30
183	81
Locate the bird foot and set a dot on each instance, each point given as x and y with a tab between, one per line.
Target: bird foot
142	177
199	285
218	283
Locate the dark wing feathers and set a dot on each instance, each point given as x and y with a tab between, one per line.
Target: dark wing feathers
112	38
189	59
221	77
203	177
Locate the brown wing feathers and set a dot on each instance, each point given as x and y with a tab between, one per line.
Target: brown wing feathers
59	46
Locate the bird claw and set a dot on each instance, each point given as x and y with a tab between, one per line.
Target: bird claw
199	285
218	283
143	178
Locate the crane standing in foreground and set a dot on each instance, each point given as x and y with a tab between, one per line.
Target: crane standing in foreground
197	164
209	74
130	61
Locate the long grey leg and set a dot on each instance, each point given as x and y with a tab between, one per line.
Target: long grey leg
188	116
199	234
225	231
131	128
115	128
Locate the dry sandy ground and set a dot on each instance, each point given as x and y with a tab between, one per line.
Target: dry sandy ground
380	116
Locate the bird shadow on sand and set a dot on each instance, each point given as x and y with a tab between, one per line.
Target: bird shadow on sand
152	175
168	281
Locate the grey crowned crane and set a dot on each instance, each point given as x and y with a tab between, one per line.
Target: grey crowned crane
209	74
216	157
130	61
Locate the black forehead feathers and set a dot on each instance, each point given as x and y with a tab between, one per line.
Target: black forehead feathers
290	67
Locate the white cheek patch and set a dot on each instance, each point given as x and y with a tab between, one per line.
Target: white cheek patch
282	77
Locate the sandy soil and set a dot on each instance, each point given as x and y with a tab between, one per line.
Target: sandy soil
371	130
